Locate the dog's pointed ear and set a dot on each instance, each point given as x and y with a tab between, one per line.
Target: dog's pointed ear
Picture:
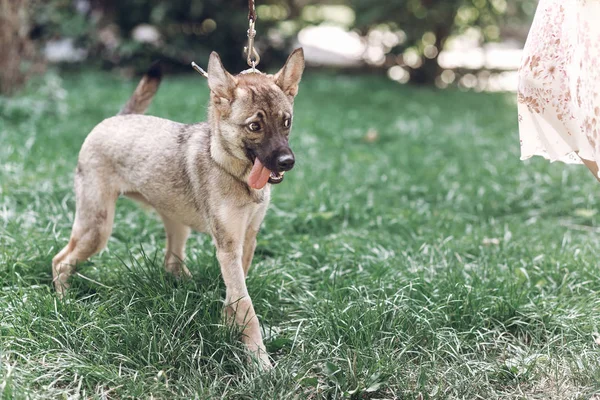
289	76
220	82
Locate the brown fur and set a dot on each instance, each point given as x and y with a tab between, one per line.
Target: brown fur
144	92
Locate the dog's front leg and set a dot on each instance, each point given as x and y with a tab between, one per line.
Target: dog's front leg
250	237
238	305
249	247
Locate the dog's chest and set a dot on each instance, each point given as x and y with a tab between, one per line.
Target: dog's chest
258	197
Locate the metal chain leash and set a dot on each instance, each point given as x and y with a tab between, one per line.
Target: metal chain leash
253	58
251	11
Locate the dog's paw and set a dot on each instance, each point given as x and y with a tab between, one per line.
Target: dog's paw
262	360
185	273
178	271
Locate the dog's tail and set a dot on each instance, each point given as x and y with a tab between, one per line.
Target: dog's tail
141	98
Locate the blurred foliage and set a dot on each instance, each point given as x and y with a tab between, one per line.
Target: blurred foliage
59	18
190	30
429	23
186	30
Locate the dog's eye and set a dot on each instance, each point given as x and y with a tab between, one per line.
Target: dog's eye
287	122
254	126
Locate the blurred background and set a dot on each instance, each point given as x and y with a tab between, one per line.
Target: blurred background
473	44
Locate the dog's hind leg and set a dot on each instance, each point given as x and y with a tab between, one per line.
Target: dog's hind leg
91	230
177	235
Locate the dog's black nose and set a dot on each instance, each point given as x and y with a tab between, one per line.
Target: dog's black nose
285	162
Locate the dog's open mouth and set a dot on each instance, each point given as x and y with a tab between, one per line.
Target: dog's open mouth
260	175
276	177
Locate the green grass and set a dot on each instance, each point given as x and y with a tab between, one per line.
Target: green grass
430	262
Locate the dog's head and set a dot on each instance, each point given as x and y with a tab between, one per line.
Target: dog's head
253	112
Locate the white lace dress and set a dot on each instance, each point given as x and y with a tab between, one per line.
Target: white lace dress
559	85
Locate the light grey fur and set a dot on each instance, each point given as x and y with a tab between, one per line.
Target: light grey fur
194	176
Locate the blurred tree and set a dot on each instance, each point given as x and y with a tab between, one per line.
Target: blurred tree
135	32
54	19
19	56
180	31
427	25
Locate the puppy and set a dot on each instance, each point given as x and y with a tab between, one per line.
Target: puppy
212	176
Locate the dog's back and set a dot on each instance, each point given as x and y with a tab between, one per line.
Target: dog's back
111	142
143	157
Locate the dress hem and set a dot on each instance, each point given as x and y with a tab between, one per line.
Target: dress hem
569	158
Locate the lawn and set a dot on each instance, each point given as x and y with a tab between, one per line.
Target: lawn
420	261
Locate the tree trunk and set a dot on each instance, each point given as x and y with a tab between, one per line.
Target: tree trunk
18	60
427	73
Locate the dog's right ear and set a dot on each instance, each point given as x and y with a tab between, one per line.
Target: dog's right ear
220	82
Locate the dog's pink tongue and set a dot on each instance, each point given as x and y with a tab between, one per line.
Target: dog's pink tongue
259	176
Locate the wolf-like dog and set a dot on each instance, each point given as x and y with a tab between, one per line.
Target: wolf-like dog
212	177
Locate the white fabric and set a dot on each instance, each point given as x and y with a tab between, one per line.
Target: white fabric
559	85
